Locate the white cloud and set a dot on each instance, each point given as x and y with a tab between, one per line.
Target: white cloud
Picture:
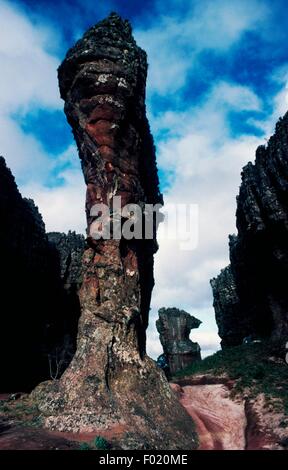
28	73
174	42
24	154
279	101
63	207
28	81
206	160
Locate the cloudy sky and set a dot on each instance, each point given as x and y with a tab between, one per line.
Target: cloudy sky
217	83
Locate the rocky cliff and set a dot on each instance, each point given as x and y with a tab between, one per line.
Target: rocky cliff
36	312
65	252
174	328
24	265
111	382
69	248
250	296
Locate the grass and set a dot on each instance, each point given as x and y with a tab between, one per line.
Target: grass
252	369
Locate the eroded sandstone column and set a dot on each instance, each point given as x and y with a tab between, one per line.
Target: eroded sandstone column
111	382
174	328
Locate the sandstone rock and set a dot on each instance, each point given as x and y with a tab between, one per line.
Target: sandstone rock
251	296
111	381
220	421
226	423
232	326
69	249
66	251
37	313
174	328
24	264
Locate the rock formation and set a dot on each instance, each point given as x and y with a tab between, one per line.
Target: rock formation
23	265
174	328
36	311
65	251
251	296
229	316
111	382
69	248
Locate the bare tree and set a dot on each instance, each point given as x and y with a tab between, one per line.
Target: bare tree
60	357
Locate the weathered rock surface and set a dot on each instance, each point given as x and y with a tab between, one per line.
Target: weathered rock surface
111	381
251	296
220	421
36	313
174	328
226	423
69	249
232	324
65	251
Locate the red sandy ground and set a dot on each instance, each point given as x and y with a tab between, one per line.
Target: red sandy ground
221	423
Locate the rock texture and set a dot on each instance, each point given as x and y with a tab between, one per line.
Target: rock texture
226	422
229	316
250	296
174	328
220	421
111	380
69	249
36	312
65	252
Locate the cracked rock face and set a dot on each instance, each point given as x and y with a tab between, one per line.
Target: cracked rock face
111	381
251	296
174	328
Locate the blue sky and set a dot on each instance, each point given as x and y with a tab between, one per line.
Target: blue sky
217	83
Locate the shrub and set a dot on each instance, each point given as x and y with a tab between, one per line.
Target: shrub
84	446
101	443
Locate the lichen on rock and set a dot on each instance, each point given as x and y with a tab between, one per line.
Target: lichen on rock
111	381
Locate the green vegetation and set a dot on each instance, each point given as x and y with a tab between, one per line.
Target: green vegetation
98	443
101	443
23	410
84	446
255	369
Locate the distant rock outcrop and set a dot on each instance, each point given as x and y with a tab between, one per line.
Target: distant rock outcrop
36	313
174	328
251	296
66	250
229	316
111	382
69	248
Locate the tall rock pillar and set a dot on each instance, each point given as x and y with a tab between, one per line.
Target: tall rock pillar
111	382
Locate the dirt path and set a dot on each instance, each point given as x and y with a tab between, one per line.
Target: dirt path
220	422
